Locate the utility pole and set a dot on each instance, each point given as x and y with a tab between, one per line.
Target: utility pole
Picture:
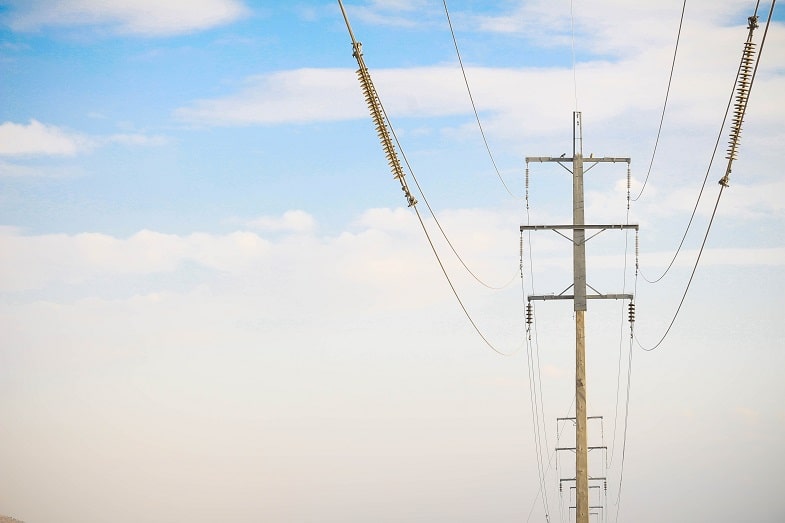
579	298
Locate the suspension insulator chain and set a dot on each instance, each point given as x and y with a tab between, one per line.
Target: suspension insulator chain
743	85
629	184
637	252
631	312
520	266
377	114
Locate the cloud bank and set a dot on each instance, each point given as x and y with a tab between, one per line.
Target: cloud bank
135	17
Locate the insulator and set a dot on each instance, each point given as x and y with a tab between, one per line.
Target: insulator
631	312
529	314
382	131
520	266
629	184
637	248
742	95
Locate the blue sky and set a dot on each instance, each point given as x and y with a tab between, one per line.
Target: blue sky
216	304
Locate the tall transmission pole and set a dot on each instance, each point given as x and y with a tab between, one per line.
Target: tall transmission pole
579	298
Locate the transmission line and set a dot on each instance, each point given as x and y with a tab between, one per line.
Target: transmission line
744	83
471	99
389	140
713	154
664	105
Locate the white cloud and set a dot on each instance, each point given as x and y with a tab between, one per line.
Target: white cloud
512	101
39	139
32	262
312	321
287	96
36	138
136	139
143	17
14	170
385	250
290	221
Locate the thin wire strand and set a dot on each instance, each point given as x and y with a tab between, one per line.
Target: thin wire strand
452	286
433	247
535	413
533	404
626	418
447	239
689	282
474	106
383	124
664	105
574	67
621	343
550	462
719	195
703	185
534	357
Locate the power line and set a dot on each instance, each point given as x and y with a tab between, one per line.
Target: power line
471	99
436	253
744	89
536	412
548	469
664	105
621	328
387	134
708	169
444	234
626	418
574	68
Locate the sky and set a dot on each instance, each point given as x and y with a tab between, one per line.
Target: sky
216	304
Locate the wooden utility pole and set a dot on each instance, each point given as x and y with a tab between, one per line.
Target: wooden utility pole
579	298
579	288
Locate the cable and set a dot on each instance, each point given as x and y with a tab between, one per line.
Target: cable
724	180
533	393
533	362
708	171
621	328
471	99
626	418
444	234
574	68
535	388
550	462
533	351
665	105
529	233
535	412
433	247
441	265
689	282
384	130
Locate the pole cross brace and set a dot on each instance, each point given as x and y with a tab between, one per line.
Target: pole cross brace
547	297
557	228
